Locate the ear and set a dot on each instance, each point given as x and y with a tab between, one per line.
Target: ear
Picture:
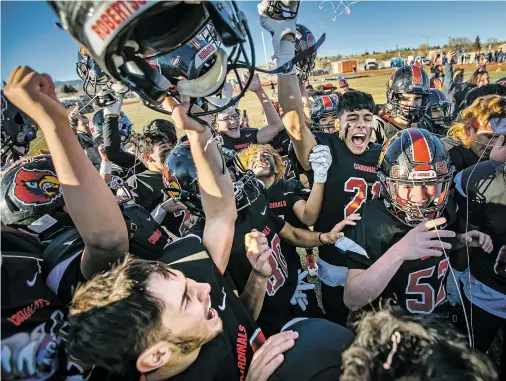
146	157
154	357
468	130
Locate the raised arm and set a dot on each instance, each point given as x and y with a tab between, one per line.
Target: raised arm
448	80
216	189
89	201
274	123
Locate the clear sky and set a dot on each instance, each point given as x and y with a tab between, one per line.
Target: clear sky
29	37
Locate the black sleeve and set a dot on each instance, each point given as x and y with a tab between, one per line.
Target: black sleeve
355	247
277	222
299	192
112	144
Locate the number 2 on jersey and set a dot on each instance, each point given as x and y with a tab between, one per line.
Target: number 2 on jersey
359	185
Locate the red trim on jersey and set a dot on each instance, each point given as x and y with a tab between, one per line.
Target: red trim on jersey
420	148
257	340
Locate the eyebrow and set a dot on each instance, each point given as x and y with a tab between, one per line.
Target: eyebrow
185	294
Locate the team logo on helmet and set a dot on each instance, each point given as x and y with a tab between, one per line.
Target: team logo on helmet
35	187
170	182
417	76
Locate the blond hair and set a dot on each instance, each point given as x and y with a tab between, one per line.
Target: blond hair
245	154
480	112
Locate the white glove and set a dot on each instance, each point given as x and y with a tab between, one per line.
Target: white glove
277	29
299	297
115	108
320	159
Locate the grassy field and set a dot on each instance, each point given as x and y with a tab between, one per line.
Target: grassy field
372	82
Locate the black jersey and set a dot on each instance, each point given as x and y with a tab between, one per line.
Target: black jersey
228	356
34	326
283	195
248	137
62	257
418	285
281	144
460	156
276	310
147	189
437	128
485	206
351	181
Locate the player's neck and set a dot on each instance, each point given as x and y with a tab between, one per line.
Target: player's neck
268	180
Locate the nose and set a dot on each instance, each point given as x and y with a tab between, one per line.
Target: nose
203	290
417	194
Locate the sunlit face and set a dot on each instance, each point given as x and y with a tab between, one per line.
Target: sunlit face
187	311
417	196
344	89
410	100
160	152
484	80
328	124
228	123
357	129
262	164
483	140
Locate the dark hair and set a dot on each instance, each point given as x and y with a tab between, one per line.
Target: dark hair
425	350
478	73
113	318
354	100
162	127
478	92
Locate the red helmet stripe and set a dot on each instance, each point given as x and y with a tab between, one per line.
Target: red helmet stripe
327	102
417	76
419	147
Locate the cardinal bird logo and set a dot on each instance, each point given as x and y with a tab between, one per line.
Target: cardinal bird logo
171	182
35	187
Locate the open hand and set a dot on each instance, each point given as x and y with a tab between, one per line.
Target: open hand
258	253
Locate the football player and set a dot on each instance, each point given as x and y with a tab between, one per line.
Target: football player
408	98
324	115
481	197
474	137
396	249
227	122
288	198
438	113
287	293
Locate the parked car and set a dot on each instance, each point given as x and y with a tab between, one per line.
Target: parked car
371	64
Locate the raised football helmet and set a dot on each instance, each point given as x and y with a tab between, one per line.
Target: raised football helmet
408	80
128	40
414	157
97	126
280	10
304	39
324	106
180	180
30	189
439	102
17	131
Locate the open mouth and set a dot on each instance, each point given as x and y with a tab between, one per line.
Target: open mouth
233	128
210	313
358	140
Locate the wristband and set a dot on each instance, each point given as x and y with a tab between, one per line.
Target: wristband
105	167
320	238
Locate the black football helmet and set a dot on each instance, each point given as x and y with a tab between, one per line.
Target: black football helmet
304	39
281	10
126	39
30	189
96	126
322	106
501	81
17	131
408	80
414	157
180	180
439	102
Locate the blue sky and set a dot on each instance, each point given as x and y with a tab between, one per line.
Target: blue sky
29	37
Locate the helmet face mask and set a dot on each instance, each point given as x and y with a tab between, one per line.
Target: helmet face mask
128	40
439	103
281	10
414	164
304	39
403	81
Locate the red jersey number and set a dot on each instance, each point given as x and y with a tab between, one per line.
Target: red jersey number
359	186
428	300
279	267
